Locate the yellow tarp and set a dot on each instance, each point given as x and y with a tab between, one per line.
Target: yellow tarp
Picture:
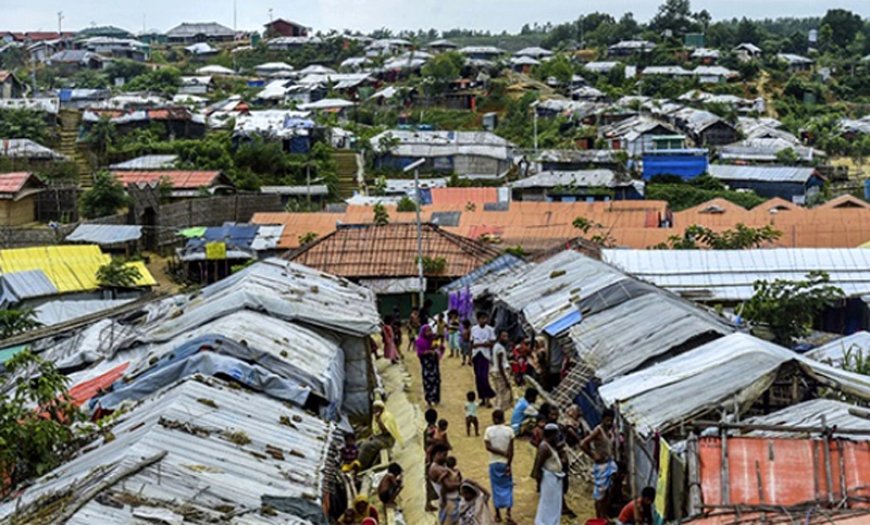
71	268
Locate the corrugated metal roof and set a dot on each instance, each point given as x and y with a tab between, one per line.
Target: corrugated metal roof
809	414
70	268
147	162
105	234
624	337
28	284
729	275
27	149
192	29
834	352
569	179
318	190
224	448
761	173
733	370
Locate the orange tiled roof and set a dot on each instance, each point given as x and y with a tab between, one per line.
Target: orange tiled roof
463	196
367	251
179	179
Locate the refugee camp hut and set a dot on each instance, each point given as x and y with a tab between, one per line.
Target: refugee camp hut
384	258
198	448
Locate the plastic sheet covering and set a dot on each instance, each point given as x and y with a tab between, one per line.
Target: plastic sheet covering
225	448
84	391
208	364
285	290
734	369
286	349
505	264
57	312
105	234
619	340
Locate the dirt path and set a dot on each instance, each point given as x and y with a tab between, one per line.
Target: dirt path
470	453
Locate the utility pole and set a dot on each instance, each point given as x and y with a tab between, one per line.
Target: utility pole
419	202
59	23
235	15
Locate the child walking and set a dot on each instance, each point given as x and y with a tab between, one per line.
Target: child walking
471	415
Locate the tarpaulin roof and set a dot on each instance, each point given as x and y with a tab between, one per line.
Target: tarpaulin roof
284	348
105	234
549	291
285	290
241	235
61	311
223	448
623	338
731	371
82	392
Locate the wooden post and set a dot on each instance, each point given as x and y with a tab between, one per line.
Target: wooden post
829	478
814	444
760	490
843	492
632	471
694	468
725	474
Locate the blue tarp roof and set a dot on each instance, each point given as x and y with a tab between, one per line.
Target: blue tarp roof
565	322
685	166
238	235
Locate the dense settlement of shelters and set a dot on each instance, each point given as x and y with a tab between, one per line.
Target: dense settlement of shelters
230	402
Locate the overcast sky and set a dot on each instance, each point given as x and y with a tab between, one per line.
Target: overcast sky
366	15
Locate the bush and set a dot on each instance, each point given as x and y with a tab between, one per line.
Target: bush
106	197
406	204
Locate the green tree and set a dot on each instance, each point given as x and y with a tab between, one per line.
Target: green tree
23	124
118	274
601	235
441	70
89	79
788	308
406	204
15	321
742	237
36	421
126	69
559	68
104	198
164	80
787	157
845	25
100	137
381	217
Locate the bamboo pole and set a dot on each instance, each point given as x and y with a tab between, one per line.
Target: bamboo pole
725	475
694	467
827	455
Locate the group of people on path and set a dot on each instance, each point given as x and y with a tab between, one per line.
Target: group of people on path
495	361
